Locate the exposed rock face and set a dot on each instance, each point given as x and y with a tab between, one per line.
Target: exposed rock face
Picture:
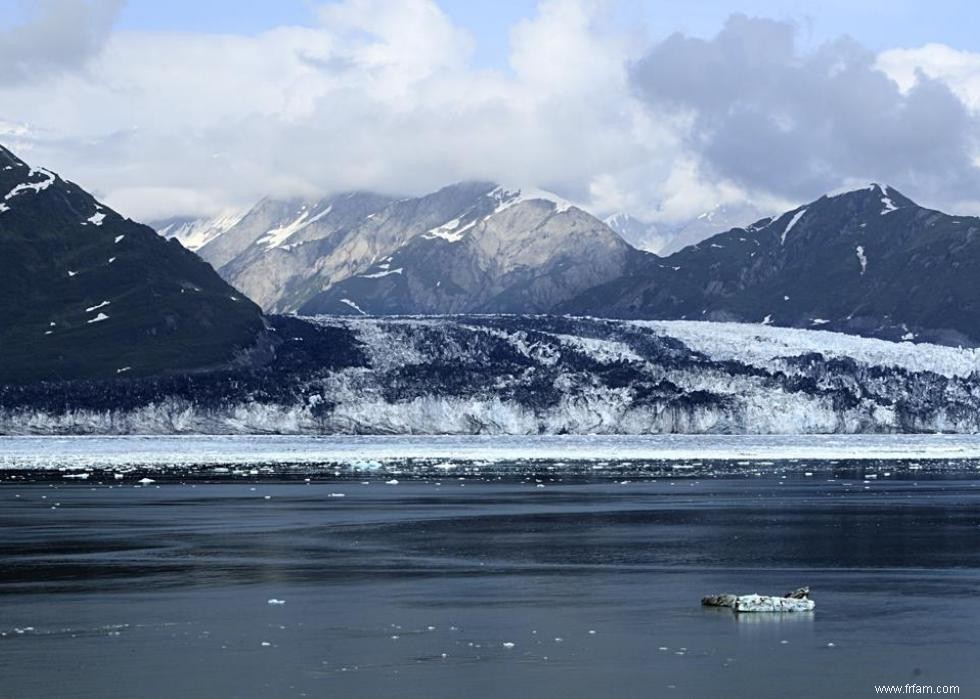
86	293
522	257
533	375
469	247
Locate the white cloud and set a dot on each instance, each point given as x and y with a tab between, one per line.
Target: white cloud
960	70
380	95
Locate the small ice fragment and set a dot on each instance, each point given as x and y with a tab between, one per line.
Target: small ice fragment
275	601
337	495
592	632
267	497
145	481
266	644
507	644
393	481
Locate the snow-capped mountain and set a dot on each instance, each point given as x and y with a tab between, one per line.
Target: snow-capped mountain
870	262
665	239
533	375
195	233
503	251
640	234
467	247
85	293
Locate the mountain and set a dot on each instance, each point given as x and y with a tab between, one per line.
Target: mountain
472	246
531	375
869	262
195	233
665	239
507	251
86	293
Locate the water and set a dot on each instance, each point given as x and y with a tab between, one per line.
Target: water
415	589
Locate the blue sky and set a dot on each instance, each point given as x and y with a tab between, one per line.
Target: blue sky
878	24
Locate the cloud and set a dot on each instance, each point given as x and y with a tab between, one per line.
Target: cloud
384	96
58	35
377	95
959	70
770	118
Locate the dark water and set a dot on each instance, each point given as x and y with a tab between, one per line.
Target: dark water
412	590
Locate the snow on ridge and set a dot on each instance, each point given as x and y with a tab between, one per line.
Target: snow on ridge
32	186
508	197
844	191
195	234
887	203
789	226
277	236
759	345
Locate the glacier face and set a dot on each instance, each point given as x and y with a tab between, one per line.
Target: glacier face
532	375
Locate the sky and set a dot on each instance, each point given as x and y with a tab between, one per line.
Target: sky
659	109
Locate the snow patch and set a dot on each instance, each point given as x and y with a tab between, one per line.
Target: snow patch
378	275
886	202
277	236
353	305
96	219
450	231
862	258
32	186
95	308
99	318
789	226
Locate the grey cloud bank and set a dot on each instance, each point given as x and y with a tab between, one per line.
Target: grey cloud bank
768	117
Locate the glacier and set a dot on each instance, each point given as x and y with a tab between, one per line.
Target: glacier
530	375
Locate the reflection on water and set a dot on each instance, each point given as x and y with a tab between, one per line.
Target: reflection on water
498	588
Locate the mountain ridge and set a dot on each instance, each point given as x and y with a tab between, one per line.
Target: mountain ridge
868	262
86	293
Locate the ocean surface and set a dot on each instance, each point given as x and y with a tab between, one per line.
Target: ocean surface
519	577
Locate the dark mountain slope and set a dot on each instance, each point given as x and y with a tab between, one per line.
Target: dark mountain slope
869	262
85	293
